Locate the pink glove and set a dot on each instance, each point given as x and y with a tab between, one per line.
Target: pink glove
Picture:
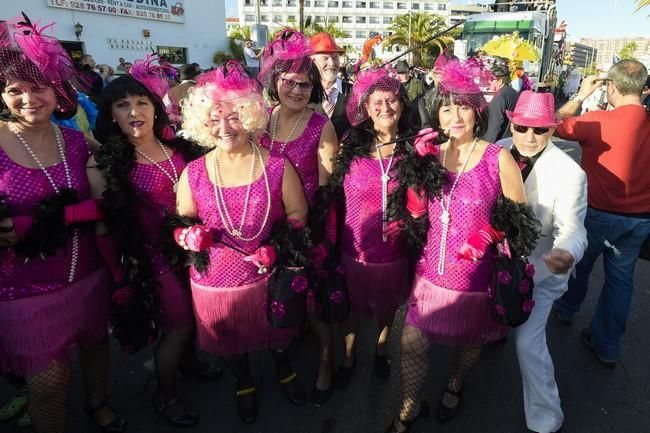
85	211
195	238
108	250
416	202
330	223
393	230
123	296
478	243
425	143
264	257
296	223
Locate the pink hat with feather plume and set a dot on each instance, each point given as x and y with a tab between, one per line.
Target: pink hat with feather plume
368	81
290	51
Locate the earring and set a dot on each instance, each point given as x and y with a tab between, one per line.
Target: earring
155	116
114	120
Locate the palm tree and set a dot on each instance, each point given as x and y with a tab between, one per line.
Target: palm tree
640	4
412	29
329	27
627	52
240	33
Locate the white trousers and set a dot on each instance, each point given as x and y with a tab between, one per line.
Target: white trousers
541	396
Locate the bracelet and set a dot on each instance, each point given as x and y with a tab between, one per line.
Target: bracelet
181	238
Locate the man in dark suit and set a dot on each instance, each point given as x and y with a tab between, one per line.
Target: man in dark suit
327	59
504	99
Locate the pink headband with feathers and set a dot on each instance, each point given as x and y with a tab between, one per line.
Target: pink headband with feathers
153	74
370	80
291	49
460	80
228	82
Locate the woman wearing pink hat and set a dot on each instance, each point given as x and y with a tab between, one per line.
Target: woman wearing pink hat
54	287
449	302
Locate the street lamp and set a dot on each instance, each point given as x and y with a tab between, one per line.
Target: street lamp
78	29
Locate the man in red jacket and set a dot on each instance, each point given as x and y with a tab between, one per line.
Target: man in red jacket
616	157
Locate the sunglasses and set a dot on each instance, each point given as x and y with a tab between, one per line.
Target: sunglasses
303	86
523	129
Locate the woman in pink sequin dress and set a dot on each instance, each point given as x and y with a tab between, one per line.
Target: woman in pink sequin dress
54	287
136	172
449	303
306	138
238	192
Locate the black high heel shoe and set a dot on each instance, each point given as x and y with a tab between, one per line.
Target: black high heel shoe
446	413
185	419
203	371
381	368
423	413
343	376
320	396
117	425
293	390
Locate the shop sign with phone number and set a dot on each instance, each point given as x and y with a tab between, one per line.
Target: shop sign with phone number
161	10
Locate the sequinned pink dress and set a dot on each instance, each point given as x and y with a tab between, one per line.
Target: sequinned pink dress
230	298
454	308
376	270
303	152
43	316
155	196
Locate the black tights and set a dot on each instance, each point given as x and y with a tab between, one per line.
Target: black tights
239	365
169	352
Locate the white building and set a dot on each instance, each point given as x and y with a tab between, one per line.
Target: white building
184	31
356	17
459	13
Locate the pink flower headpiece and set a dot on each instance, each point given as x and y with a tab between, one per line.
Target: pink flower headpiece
382	79
290	51
228	82
153	74
28	54
460	80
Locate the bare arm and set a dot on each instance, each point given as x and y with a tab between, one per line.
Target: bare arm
185	204
327	152
510	175
293	197
588	86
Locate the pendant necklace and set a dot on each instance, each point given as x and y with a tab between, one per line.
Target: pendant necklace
445	216
384	187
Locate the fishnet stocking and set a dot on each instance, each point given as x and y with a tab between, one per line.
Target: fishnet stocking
350	332
415	367
94	362
49	395
383	332
464	359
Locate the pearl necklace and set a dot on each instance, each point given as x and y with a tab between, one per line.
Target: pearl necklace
384	187
293	129
175	176
445	217
68	176
221	201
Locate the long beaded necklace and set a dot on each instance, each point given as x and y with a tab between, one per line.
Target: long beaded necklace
445	216
384	187
221	201
174	176
68	176
274	131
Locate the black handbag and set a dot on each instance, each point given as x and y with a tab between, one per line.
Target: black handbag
287	297
332	295
511	288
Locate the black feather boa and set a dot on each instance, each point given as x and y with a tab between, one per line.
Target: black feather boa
116	159
177	256
291	244
48	232
415	172
518	222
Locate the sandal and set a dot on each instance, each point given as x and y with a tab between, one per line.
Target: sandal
13	407
293	390
185	419
117	425
382	366
24	421
406	425
247	404
446	413
343	375
203	371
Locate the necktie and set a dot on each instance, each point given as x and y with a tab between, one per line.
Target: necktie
329	103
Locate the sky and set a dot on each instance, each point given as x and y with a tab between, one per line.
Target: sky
586	18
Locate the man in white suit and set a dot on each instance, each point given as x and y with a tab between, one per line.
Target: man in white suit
556	188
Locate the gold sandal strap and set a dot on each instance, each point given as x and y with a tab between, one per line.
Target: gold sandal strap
245	391
288	379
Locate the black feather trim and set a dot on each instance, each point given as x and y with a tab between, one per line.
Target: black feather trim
48	232
292	245
519	223
4	213
177	256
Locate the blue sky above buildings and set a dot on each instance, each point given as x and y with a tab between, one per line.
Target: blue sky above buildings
586	18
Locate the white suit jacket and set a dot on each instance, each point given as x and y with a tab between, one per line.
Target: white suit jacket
556	189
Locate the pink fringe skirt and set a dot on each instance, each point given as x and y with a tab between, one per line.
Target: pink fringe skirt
36	331
451	317
175	302
232	320
376	289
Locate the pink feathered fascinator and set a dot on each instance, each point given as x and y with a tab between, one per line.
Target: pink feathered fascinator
461	81
154	74
382	79
228	82
26	53
290	51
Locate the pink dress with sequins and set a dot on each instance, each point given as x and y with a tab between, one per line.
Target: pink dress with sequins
454	308
376	270
155	197
303	152
43	316
230	297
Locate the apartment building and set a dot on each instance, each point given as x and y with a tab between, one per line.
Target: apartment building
608	48
358	18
